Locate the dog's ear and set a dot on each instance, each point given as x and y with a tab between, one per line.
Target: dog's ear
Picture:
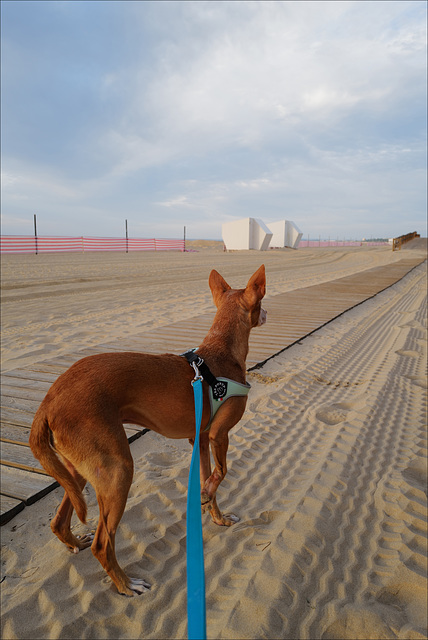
218	286
256	287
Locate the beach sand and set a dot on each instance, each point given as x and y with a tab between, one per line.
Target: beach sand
327	468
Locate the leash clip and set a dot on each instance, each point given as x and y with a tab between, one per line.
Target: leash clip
197	373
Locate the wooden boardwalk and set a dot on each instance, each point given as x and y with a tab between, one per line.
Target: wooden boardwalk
291	317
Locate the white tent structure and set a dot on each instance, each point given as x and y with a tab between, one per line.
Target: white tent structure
285	234
247	233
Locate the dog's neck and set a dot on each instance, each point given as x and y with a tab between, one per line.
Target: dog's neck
225	347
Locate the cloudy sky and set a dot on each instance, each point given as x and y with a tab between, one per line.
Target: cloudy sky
196	113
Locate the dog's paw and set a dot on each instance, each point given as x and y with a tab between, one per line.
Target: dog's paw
225	520
230	519
138	586
83	542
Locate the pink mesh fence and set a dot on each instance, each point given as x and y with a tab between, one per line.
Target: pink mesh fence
45	244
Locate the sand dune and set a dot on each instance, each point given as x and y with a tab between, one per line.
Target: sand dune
327	468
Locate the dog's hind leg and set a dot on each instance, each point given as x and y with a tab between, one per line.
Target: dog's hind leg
112	487
60	524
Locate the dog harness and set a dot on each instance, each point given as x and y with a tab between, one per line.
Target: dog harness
219	389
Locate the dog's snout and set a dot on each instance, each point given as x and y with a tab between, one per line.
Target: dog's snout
262	316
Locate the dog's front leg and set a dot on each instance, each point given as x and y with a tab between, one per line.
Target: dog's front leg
210	482
218	439
204	460
219	445
225	419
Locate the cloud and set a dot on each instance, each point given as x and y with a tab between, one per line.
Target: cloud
178	201
195	110
267	61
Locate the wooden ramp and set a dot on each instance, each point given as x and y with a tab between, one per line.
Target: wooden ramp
291	317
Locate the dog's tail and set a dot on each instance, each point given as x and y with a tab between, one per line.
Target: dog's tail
40	443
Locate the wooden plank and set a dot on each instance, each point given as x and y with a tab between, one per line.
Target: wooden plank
28	397
25	485
64	361
50	367
20	404
9	507
16	416
20	457
19	388
26	374
14	433
93	351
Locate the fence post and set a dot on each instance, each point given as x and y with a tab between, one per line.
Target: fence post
126	231
35	234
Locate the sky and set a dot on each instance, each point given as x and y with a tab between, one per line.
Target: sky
173	114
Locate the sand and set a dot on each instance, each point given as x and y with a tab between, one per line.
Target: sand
327	468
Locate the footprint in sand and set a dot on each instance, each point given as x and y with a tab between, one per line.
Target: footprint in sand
419	381
332	414
408	353
407	598
161	459
416	474
413	324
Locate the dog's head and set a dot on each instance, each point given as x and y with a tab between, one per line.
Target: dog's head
249	298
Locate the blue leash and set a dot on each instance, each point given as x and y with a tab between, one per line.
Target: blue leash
196	612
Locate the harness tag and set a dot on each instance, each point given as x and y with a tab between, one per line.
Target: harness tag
219	390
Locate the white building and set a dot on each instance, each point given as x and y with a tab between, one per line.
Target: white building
247	233
285	234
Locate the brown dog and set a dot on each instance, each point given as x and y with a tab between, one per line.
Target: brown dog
78	436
